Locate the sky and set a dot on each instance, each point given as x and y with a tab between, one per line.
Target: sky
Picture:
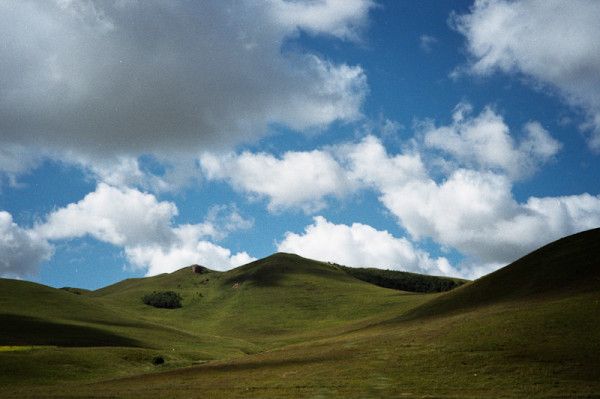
446	138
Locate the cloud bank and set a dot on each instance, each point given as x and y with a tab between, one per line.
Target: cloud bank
111	78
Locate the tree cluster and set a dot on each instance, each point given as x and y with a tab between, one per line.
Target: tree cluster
404	281
163	299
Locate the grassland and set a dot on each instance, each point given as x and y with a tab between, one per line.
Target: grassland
290	327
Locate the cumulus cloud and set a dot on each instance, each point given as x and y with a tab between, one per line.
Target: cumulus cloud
143	227
119	216
22	250
113	78
476	213
296	179
485	141
552	41
361	245
305	179
367	163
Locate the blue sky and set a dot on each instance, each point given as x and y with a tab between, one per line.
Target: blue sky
446	138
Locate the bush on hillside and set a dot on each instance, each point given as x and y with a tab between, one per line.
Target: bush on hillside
163	299
156	360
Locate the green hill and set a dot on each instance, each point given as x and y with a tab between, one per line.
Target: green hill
285	326
279	299
565	267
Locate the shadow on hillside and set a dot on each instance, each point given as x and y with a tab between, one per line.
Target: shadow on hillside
24	330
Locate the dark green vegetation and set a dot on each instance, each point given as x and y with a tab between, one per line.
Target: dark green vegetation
286	326
163	299
404	281
157	360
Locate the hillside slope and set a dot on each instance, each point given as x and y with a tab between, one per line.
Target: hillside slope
567	266
33	314
82	337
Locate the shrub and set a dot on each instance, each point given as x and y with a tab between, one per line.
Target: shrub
156	360
163	299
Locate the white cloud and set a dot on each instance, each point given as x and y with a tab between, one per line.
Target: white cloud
476	213
143	226
485	141
22	250
360	245
116	78
368	163
119	216
553	41
305	179
125	171
340	18
297	179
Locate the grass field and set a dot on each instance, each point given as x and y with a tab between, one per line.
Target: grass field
286	326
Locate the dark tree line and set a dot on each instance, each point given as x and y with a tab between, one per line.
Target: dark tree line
404	281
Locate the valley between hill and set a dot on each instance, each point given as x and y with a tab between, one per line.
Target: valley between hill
287	326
